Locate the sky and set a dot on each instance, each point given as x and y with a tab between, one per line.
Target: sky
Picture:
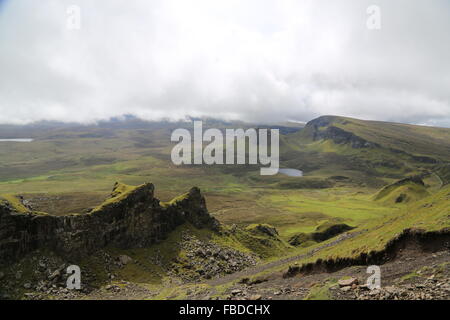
252	60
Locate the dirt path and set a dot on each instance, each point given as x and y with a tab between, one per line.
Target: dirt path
414	274
262	267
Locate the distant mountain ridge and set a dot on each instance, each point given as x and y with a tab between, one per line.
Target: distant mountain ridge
430	144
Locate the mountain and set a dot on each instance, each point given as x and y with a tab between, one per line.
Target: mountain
372	193
422	143
368	151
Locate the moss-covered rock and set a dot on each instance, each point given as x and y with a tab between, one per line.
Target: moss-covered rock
131	218
403	191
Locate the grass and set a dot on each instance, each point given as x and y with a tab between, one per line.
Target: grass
14	202
409	276
144	269
309	209
412	139
78	167
175	200
120	192
429	214
402	192
321	291
150	265
264	245
324	231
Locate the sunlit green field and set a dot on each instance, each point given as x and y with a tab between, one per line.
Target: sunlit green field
232	199
72	171
79	168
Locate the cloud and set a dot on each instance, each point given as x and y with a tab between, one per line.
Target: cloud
252	60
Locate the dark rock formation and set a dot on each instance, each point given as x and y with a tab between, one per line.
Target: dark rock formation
265	229
135	220
323	129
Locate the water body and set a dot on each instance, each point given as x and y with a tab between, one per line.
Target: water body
16	140
291	172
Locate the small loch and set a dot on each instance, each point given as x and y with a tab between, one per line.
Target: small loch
291	172
16	140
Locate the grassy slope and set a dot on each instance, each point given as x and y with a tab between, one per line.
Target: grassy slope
429	214
66	163
412	139
14	202
395	154
235	195
406	192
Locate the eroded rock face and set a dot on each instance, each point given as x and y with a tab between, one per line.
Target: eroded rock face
137	220
323	128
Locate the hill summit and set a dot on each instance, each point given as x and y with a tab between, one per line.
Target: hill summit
131	217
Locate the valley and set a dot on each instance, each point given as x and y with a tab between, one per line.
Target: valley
363	185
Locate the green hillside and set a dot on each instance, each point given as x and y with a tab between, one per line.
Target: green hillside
371	153
403	191
364	183
420	141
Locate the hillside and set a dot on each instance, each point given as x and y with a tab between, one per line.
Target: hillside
369	188
403	191
422	142
367	152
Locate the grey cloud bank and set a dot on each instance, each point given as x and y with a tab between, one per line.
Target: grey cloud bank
252	60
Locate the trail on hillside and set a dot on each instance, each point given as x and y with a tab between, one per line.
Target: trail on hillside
262	267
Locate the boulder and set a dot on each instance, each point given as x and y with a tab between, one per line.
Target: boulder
124	259
348	282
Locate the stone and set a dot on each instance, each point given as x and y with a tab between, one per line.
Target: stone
346	289
27	285
347	282
124	259
256	297
364	287
236	292
56	274
374	292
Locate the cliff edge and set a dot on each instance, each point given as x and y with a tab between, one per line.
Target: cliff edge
131	218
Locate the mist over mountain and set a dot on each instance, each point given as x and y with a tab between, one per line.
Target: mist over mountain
270	61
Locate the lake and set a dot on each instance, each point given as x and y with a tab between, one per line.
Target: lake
291	172
16	140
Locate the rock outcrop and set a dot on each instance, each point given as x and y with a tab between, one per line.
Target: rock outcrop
130	219
323	128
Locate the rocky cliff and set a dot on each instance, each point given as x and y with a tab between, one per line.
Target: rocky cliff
131	218
324	128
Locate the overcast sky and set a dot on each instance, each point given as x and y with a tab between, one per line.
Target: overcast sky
258	60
